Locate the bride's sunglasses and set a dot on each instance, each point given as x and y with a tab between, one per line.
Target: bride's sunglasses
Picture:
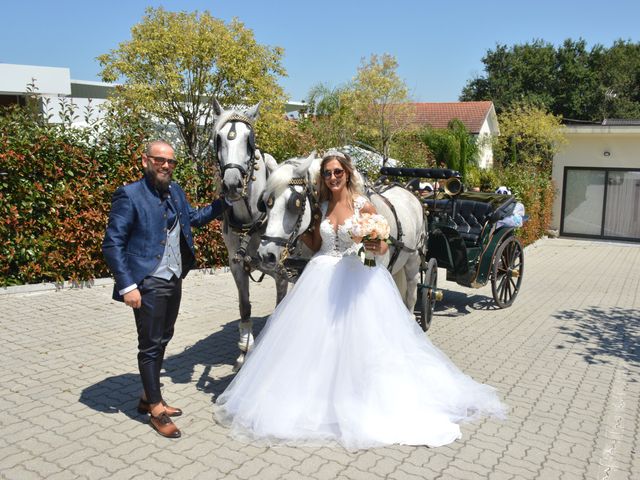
336	172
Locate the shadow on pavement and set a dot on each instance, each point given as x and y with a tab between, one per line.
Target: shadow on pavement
120	393
456	304
603	333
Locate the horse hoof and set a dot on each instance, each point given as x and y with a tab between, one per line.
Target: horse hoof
239	363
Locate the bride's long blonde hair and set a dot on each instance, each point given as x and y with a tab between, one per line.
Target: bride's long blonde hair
354	180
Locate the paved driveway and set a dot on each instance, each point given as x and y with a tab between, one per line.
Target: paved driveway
565	358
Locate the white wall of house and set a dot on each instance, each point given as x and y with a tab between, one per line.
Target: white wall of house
488	131
85	110
485	149
594	146
48	80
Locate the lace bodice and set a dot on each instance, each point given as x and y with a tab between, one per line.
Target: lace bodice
339	243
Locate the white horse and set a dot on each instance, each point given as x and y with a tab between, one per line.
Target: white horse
244	171
292	201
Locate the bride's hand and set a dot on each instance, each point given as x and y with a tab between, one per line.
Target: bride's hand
377	247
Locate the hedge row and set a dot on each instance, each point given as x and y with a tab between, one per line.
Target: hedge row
530	185
56	183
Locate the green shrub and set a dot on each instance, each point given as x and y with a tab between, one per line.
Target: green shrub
56	182
536	192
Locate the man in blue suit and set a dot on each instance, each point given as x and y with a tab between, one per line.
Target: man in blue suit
148	246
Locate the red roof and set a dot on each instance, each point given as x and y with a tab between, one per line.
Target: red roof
438	115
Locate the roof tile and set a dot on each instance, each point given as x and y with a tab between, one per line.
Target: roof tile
438	115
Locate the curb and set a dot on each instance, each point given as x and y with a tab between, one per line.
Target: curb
78	285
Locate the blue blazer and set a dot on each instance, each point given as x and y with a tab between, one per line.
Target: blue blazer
136	233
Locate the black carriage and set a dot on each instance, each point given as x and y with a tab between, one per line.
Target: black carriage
465	237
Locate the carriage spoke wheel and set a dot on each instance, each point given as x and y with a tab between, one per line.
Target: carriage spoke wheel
506	272
427	295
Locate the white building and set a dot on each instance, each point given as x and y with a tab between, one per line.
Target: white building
56	87
597	176
479	118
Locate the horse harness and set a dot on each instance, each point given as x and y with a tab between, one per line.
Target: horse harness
245	230
397	243
296	205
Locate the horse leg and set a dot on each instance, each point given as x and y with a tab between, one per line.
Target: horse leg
282	285
245	326
412	274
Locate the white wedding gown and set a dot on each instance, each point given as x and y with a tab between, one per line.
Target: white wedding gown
342	359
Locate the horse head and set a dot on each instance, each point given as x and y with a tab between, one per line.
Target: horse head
290	199
235	147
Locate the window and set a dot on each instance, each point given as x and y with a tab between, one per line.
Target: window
601	203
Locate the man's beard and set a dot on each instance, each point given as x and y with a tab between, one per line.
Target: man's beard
161	184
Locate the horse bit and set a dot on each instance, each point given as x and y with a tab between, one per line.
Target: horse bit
296	205
247	175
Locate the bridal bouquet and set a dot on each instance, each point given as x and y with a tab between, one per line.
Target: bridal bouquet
369	227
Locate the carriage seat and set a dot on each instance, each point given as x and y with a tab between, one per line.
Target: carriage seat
470	218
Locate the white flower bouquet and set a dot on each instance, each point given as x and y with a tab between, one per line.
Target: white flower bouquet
369	227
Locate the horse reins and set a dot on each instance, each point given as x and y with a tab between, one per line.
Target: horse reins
247	175
290	244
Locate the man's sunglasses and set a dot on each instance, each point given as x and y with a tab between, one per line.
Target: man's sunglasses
336	172
159	161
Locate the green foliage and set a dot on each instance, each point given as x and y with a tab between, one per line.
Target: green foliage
528	135
330	120
377	98
536	191
453	147
176	62
411	151
56	182
570	80
371	109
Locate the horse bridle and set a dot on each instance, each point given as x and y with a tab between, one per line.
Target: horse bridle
296	203
247	175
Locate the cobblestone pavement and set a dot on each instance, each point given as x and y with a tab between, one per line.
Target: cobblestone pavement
565	358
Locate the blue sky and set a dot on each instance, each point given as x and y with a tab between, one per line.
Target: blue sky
439	45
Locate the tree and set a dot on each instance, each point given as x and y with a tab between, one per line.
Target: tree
529	135
453	146
377	97
329	119
569	81
619	86
176	63
516	74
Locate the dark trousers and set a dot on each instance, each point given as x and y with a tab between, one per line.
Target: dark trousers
155	321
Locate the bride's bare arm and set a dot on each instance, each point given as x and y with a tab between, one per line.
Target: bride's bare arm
311	237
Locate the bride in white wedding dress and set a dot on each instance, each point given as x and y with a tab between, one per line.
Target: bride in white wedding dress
341	359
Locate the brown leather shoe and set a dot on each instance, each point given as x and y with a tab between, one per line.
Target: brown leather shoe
164	426
145	407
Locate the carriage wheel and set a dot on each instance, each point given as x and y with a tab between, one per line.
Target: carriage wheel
427	295
507	271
